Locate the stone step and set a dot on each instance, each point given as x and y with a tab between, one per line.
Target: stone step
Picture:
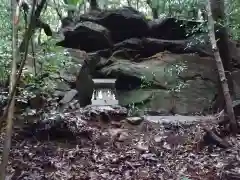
104	83
101	102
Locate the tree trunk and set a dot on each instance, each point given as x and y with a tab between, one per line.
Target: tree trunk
93	5
36	18
218	15
155	13
220	67
154	9
8	136
129	3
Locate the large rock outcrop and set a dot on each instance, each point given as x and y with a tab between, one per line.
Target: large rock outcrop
164	70
165	81
123	23
165	65
173	29
87	36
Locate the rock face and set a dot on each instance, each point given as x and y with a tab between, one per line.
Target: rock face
163	70
165	65
172	29
84	34
184	82
123	23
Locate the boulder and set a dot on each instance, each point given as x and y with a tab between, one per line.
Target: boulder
194	97
163	70
123	23
37	102
146	47
87	36
165	82
68	97
236	83
136	96
164	65
153	46
127	54
132	43
172	28
134	120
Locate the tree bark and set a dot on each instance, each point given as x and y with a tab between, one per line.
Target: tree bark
154	9
220	67
93	5
129	3
155	13
8	136
36	22
221	34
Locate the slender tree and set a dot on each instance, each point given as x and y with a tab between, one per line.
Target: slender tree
93	5
222	36
8	137
27	36
155	6
220	67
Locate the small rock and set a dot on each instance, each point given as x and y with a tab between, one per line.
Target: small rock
143	173
134	120
37	102
142	147
115	132
93	175
123	136
58	93
68	96
149	156
166	146
158	138
116	124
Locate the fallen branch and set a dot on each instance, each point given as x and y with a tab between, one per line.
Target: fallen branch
211	138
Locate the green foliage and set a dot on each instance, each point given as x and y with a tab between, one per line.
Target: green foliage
233	20
5	42
72	2
50	61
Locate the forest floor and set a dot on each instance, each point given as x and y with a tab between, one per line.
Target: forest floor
119	150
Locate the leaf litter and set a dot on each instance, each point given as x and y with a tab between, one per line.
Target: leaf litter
71	145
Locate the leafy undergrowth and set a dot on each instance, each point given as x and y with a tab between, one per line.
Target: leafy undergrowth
118	150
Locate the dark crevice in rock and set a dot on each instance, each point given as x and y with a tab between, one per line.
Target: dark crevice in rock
127	83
